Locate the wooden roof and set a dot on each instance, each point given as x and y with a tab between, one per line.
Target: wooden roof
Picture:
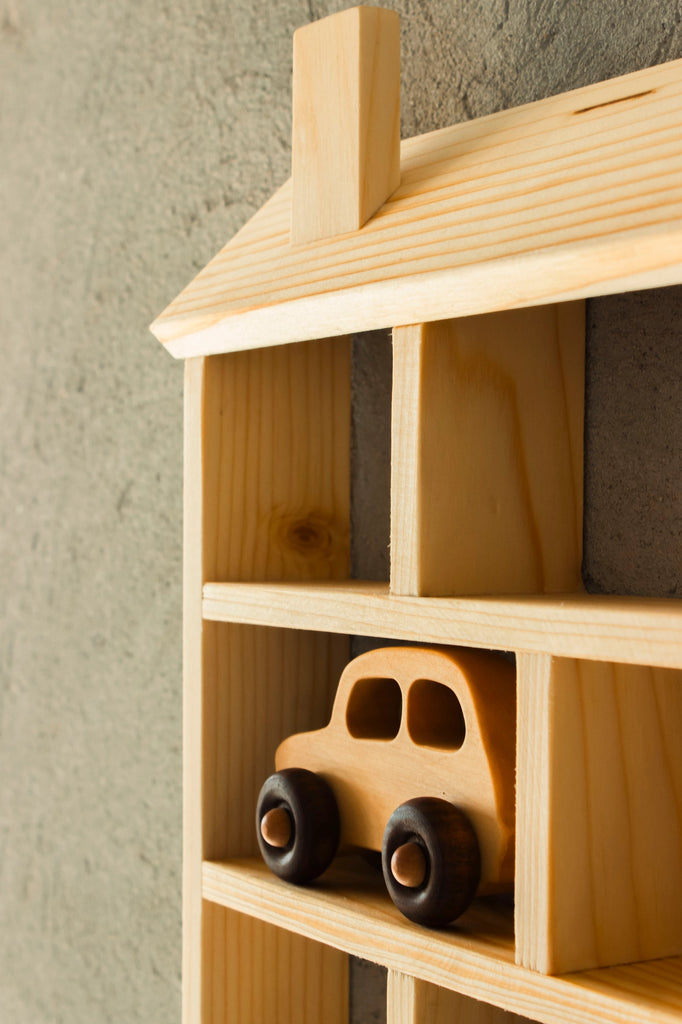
573	196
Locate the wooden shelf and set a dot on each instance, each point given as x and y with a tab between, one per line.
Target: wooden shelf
349	910
620	629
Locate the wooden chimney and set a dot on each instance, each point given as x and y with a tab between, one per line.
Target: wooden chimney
346	121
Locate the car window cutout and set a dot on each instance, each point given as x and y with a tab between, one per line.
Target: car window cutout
374	709
434	715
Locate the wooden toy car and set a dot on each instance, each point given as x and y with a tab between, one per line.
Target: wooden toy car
417	762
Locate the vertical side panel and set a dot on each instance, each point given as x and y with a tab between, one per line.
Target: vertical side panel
417	1002
401	998
496	460
267	498
533	791
406	527
599	838
192	698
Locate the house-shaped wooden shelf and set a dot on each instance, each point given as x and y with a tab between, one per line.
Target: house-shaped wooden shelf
477	245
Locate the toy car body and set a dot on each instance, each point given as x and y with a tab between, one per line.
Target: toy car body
409	726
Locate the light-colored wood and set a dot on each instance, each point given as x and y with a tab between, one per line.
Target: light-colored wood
400	998
600	811
193	578
276	423
475	958
576	195
267	683
416	1002
646	631
487	448
346	121
275	827
408	865
373	776
304	981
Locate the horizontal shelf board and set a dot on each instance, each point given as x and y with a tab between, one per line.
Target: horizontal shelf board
348	909
640	631
573	196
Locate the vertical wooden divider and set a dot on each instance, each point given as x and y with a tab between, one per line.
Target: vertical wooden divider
267	454
599	813
410	1001
487	454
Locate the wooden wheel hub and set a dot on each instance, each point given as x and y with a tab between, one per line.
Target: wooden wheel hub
275	827
408	865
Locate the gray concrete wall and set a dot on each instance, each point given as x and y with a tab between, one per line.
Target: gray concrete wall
135	138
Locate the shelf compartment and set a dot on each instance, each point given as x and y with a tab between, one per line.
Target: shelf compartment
598	813
349	910
487	453
639	631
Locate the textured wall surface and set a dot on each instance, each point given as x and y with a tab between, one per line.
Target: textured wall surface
136	137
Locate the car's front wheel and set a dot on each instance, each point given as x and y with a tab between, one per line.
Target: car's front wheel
297	824
431	861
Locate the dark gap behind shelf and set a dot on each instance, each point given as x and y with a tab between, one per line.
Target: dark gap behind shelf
371	373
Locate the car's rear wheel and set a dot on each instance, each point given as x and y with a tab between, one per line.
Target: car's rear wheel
297	824
431	861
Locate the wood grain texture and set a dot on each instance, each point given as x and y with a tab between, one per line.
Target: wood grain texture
277	423
371	776
599	875
576	195
266	496
643	631
350	911
400	998
346	121
192	655
416	1002
270	683
487	454
306	981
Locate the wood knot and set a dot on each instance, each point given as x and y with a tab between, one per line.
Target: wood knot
309	535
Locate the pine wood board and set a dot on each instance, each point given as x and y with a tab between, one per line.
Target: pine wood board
347	910
277	455
599	804
279	422
192	656
487	453
573	196
345	121
410	1001
307	981
645	631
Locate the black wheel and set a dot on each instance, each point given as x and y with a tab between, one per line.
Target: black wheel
297	824
431	861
